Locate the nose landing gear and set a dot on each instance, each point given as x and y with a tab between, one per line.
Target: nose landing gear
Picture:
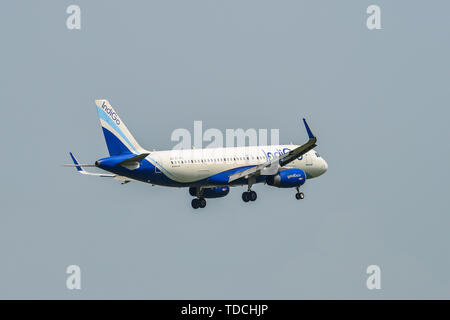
299	195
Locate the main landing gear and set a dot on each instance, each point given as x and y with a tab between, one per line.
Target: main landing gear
249	196
299	195
198	203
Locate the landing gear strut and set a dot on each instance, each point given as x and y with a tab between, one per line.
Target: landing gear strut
198	203
299	195
249	195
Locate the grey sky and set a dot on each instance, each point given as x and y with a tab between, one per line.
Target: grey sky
377	100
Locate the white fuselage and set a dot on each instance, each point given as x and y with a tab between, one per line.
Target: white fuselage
195	164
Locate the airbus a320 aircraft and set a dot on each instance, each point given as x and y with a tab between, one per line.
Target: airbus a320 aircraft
209	172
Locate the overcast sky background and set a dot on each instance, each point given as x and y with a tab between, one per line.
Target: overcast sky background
377	101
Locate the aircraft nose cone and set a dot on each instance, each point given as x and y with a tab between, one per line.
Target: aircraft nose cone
324	166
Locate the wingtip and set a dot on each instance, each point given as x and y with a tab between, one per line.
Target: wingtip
75	162
73	158
308	130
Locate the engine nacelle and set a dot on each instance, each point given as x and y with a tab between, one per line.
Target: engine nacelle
214	192
288	178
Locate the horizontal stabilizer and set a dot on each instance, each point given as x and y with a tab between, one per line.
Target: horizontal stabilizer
134	160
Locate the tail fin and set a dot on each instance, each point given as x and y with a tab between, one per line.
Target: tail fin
118	139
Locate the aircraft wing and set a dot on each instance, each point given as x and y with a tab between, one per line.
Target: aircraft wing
272	166
80	169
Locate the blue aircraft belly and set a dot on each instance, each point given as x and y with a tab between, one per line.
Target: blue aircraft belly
148	173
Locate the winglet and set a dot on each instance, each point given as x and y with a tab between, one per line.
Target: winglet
81	170
308	130
76	162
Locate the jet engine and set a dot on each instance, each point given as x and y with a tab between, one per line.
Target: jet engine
288	178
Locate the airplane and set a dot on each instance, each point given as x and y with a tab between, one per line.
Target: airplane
209	172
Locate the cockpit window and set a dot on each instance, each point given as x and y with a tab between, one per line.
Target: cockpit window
317	155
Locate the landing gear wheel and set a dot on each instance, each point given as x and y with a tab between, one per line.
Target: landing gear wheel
299	195
195	203
246	196
253	195
202	202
